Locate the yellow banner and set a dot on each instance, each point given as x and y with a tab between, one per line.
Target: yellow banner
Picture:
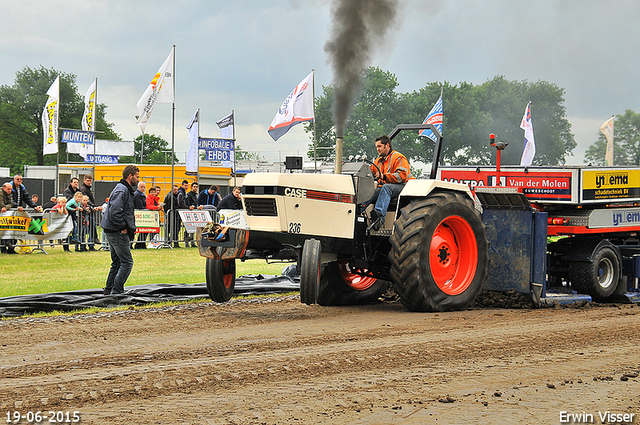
13	222
612	184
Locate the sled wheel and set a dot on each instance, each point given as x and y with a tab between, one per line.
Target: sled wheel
221	279
310	271
439	253
598	278
338	286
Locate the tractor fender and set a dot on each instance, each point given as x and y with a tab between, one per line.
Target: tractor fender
423	187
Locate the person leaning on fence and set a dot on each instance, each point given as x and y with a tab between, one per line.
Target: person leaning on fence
140	203
21	195
192	203
232	201
119	226
73	206
209	198
153	202
6	203
86	190
172	217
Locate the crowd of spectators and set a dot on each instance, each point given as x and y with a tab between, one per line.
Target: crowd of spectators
78	201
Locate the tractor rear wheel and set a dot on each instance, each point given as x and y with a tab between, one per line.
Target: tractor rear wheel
598	278
339	286
439	253
221	279
310	271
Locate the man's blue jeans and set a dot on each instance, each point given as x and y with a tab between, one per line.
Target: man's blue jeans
121	261
382	196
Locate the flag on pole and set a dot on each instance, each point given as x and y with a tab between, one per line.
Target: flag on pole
50	119
160	90
529	150
296	108
89	117
192	155
607	130
226	126
435	117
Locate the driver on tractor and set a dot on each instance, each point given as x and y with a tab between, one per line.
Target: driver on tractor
391	170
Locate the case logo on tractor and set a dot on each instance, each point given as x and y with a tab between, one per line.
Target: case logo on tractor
295	193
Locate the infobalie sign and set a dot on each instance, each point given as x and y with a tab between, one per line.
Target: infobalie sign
217	149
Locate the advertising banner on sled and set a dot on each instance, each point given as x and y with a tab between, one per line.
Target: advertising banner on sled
36	226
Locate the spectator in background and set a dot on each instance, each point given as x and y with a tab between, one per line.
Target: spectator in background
209	198
72	189
21	195
73	206
172	203
50	203
35	198
86	213
232	201
153	202
192	203
6	202
183	188
60	206
86	190
140	203
118	223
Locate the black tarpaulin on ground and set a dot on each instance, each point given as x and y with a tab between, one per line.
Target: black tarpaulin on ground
139	295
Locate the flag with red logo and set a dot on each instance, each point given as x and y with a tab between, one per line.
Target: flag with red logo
297	107
435	117
529	150
160	90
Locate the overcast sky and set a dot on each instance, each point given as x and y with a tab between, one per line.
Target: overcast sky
247	55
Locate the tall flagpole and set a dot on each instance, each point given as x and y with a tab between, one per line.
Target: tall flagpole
94	117
315	139
198	150
233	136
173	145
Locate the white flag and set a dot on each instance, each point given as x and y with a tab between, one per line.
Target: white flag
529	150
296	108
192	155
607	130
226	126
160	90
89	116
50	119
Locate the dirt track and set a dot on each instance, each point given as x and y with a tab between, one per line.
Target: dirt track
279	361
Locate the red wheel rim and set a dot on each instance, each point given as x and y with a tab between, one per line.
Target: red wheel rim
356	281
227	278
453	255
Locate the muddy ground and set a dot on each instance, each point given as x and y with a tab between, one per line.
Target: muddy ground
277	361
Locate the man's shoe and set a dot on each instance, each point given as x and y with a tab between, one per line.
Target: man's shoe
376	220
91	248
105	291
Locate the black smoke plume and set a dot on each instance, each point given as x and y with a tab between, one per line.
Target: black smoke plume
358	26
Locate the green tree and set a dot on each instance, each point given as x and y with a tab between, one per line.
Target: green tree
471	113
21	108
242	155
626	142
156	151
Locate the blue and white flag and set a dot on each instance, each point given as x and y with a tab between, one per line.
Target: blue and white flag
435	117
297	107
529	150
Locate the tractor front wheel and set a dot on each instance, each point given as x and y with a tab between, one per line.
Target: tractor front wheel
221	279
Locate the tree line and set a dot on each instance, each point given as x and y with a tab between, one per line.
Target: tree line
471	113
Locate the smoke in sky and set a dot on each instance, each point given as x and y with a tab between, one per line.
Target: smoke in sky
358	27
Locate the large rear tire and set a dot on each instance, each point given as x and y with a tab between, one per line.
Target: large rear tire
439	253
339	286
598	278
221	279
310	271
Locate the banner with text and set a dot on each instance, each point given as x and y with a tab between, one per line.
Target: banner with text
217	149
36	226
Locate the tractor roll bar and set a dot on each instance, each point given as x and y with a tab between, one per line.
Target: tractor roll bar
438	144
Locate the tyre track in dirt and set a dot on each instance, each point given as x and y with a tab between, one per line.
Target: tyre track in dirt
287	349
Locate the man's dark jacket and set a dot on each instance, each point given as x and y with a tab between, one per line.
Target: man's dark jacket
119	215
139	200
21	196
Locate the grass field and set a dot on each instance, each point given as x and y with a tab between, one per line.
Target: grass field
60	271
